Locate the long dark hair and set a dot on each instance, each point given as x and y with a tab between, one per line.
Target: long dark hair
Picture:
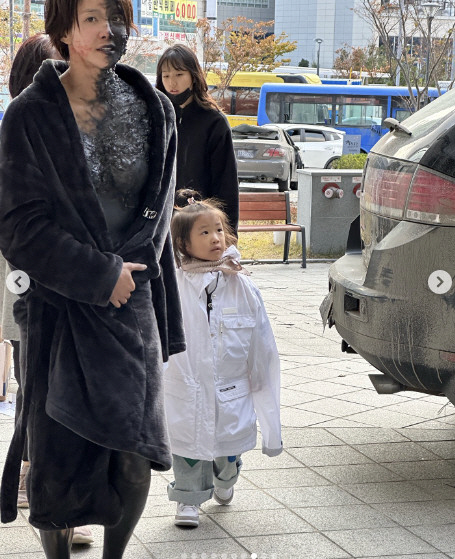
27	61
181	57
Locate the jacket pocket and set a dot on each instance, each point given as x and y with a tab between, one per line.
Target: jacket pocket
180	402
235	339
236	411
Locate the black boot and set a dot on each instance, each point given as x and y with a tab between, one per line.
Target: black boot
57	543
131	479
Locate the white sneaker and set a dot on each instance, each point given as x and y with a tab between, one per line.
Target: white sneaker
223	496
187	515
82	535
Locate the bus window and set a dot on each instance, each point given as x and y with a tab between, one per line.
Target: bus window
223	98
246	101
310	109
360	111
240	99
401	108
401	114
298	109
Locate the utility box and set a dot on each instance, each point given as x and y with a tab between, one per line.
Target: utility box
328	201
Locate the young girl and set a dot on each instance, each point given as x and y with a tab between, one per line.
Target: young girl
229	375
205	153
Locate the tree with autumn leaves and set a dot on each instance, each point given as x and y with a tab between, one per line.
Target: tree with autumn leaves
36	25
402	31
241	45
8	47
353	62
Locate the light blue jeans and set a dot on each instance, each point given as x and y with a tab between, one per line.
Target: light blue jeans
195	479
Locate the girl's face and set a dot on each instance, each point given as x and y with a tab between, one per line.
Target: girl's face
176	81
100	38
207	240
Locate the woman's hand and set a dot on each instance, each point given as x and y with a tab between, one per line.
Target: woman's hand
125	284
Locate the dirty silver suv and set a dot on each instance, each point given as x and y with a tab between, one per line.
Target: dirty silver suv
392	296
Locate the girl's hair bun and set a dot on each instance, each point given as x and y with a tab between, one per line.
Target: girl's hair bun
186	196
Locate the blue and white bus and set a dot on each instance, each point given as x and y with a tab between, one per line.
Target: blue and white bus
355	109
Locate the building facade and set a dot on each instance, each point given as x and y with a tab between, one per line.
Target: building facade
334	21
257	10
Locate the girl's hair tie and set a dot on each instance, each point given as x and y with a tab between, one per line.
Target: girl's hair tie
191	201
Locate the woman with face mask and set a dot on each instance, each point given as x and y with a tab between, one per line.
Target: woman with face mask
205	153
86	191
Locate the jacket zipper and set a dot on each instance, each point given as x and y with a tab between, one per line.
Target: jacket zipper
220	344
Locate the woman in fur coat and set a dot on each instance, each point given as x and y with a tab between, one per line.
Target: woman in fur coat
86	189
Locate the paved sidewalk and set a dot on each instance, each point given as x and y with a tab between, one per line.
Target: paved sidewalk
362	475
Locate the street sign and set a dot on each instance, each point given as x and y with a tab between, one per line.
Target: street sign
351	143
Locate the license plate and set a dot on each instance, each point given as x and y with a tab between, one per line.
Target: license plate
245	153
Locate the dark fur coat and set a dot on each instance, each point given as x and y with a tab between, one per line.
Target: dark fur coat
92	373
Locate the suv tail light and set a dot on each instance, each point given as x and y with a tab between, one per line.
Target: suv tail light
386	185
431	199
274	152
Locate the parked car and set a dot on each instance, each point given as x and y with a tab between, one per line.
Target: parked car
266	153
319	145
392	296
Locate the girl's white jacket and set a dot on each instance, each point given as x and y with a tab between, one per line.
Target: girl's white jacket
230	374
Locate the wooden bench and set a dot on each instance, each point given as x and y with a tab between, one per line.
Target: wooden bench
270	206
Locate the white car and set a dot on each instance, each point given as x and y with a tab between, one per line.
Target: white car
319	145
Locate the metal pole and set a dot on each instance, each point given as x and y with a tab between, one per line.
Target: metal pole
452	72
427	63
400	43
11	29
318	41
26	20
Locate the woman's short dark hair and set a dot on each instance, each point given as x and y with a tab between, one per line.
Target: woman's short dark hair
181	57
27	61
61	15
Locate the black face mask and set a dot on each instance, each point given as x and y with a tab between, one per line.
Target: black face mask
180	98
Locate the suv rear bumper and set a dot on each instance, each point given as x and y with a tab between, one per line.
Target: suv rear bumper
403	332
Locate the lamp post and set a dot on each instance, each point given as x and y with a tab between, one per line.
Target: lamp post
26	20
431	8
318	41
11	29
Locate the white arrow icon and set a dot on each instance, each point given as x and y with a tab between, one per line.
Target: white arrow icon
440	282
17	282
